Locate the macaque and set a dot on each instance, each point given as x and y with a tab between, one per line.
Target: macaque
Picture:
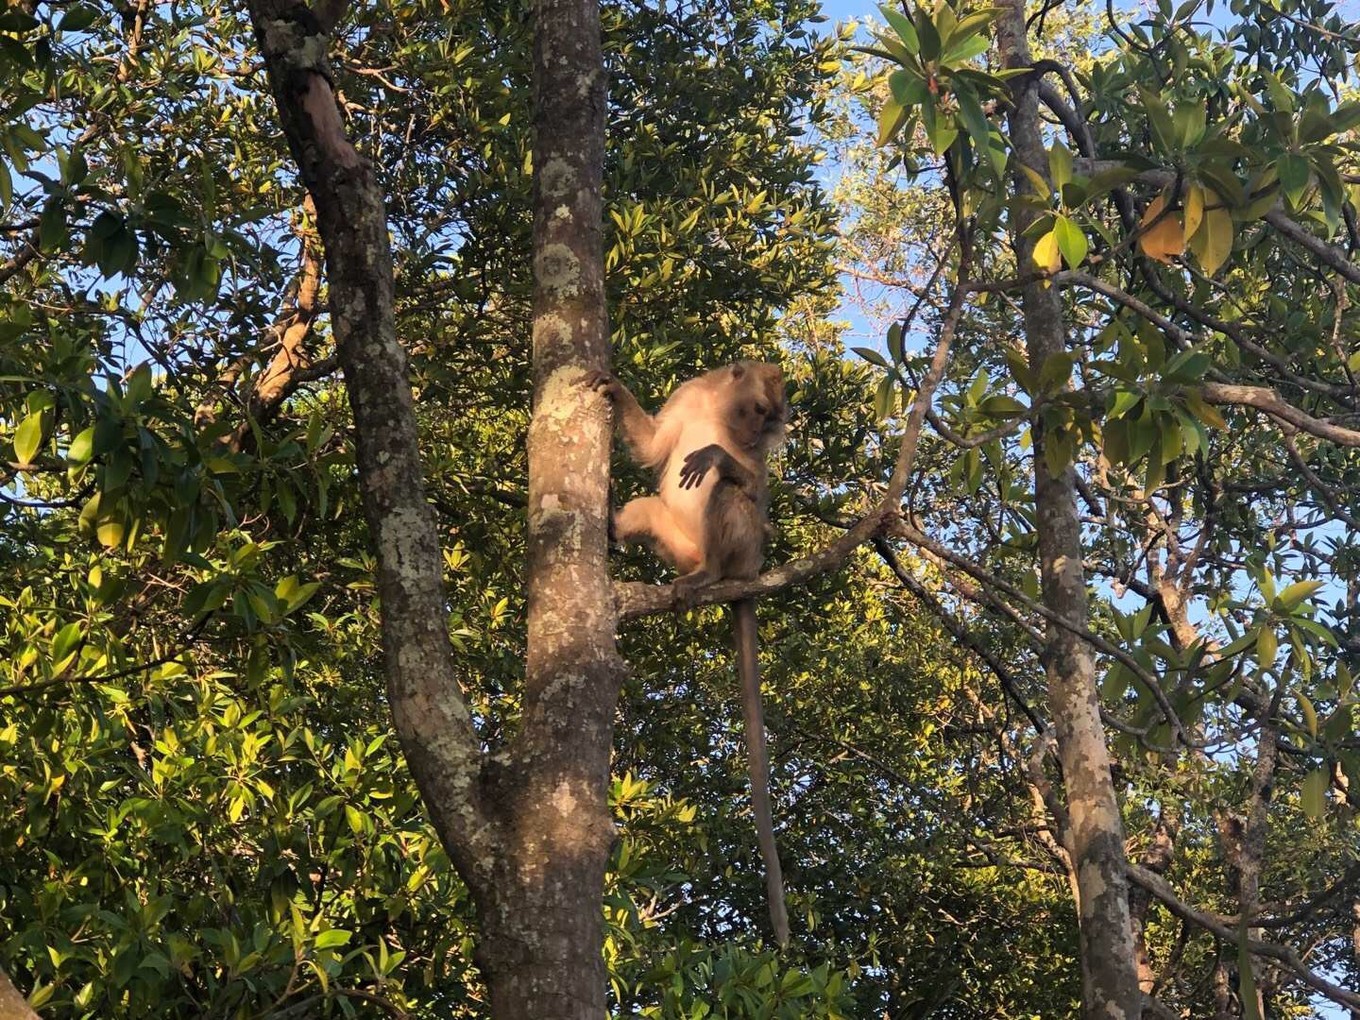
710	521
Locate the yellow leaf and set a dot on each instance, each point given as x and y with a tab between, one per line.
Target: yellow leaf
1205	412
109	532
1047	256
1213	243
1160	237
1194	209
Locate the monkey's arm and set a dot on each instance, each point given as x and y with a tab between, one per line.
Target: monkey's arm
698	462
638	427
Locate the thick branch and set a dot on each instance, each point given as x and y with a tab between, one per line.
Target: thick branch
1267	400
427	704
1285	955
1109	976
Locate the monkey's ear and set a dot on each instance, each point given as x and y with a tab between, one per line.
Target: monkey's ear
738	370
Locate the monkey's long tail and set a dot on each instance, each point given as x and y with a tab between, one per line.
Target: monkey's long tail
744	616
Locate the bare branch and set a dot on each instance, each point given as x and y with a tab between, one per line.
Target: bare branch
1267	400
1284	955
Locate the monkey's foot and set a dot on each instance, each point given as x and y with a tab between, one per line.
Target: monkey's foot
687	588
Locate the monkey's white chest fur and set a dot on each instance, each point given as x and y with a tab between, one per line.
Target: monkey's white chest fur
689	506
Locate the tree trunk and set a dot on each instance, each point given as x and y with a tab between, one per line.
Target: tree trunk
13	1006
544	928
1109	971
527	827
1243	838
1156	859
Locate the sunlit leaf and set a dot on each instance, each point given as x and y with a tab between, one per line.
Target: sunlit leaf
1161	235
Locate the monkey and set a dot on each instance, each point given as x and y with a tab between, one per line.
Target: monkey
710	520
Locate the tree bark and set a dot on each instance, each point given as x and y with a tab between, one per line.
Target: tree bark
1156	859
1244	845
1109	972
544	925
1355	946
528	827
13	1006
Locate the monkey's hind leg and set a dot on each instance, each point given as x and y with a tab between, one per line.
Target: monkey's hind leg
648	520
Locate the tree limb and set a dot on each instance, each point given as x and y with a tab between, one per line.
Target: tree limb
1284	955
1267	400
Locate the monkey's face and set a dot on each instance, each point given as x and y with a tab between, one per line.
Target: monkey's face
758	413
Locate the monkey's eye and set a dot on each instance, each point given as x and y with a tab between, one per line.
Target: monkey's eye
762	409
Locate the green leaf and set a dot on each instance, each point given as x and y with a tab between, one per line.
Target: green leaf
905	30
1071	241
1267	646
1313	793
1058	452
1186	366
872	356
1294	174
1289	599
890	120
961	51
52	230
1060	165
78	18
1213	242
895	342
1020	369
110	532
333	937
1057	369
970	110
355	817
1189	123
885	398
1001	406
1205	412
28	438
1310	719
82	447
1124	402
65	641
940	130
908	89
1280	96
1036	180
1159	121
927	34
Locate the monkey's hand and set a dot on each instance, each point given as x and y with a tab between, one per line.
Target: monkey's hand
603	383
698	462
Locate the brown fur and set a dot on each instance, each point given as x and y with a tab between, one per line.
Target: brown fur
710	520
